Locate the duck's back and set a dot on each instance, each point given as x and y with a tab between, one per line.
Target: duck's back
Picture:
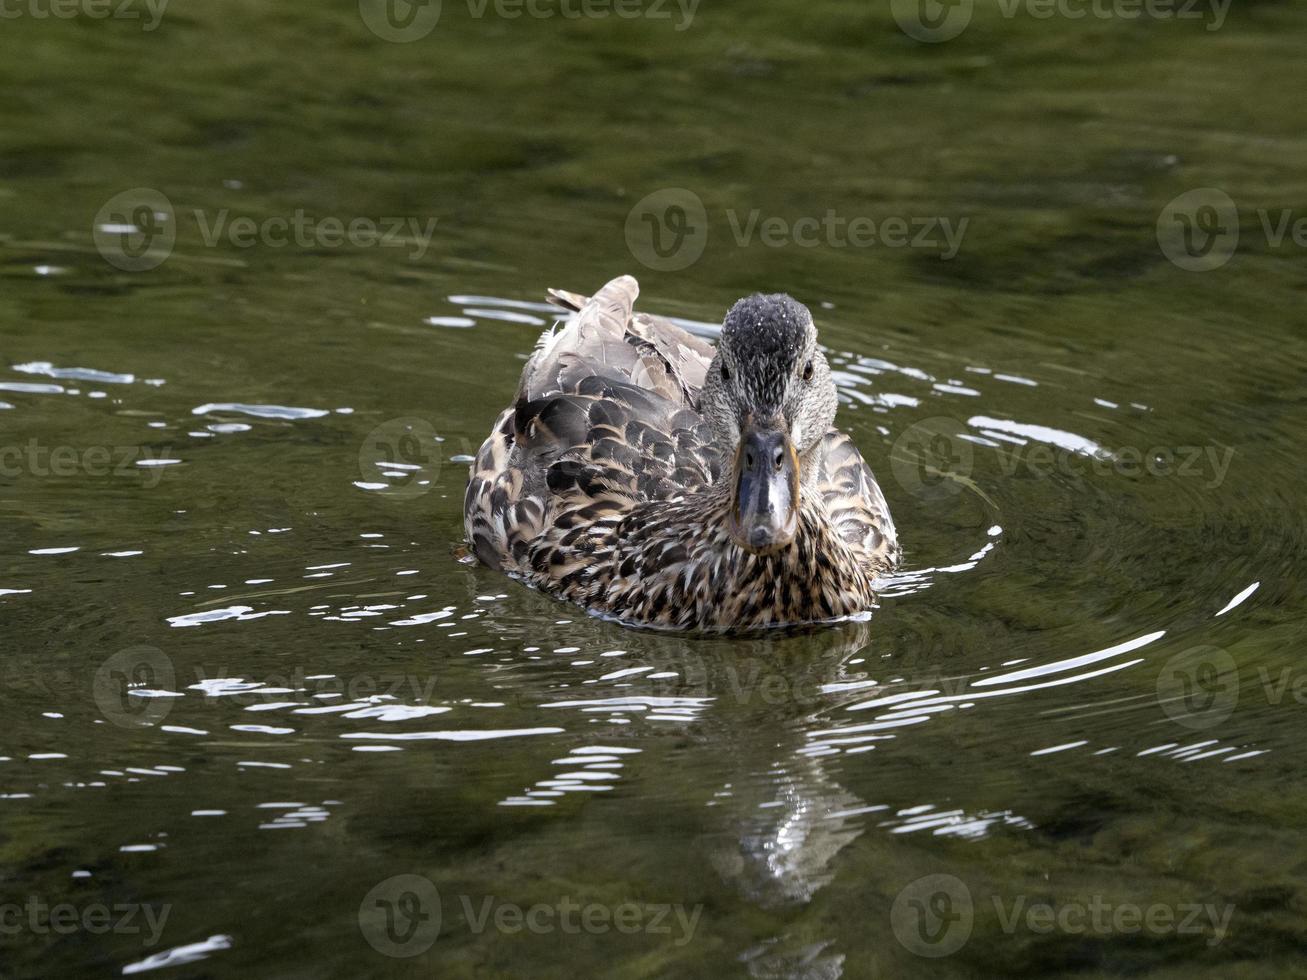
606	417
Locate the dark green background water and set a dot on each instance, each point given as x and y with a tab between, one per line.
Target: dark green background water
746	791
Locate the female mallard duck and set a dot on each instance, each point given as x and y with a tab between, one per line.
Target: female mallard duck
648	479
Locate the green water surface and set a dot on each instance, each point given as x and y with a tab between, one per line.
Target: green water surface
251	693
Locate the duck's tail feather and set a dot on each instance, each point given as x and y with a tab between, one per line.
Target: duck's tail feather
591	343
565	300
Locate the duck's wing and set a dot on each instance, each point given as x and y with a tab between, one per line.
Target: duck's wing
605	418
619	391
857	507
672	360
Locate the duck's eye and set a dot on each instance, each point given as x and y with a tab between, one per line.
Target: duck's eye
726	375
807	371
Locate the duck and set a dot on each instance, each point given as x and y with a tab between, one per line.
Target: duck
656	481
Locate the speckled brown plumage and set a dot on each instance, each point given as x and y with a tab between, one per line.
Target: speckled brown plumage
604	483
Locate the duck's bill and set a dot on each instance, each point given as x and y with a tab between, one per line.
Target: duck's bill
765	504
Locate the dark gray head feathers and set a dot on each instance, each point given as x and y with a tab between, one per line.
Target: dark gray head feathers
770	326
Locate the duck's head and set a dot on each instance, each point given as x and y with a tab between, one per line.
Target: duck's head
769	398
